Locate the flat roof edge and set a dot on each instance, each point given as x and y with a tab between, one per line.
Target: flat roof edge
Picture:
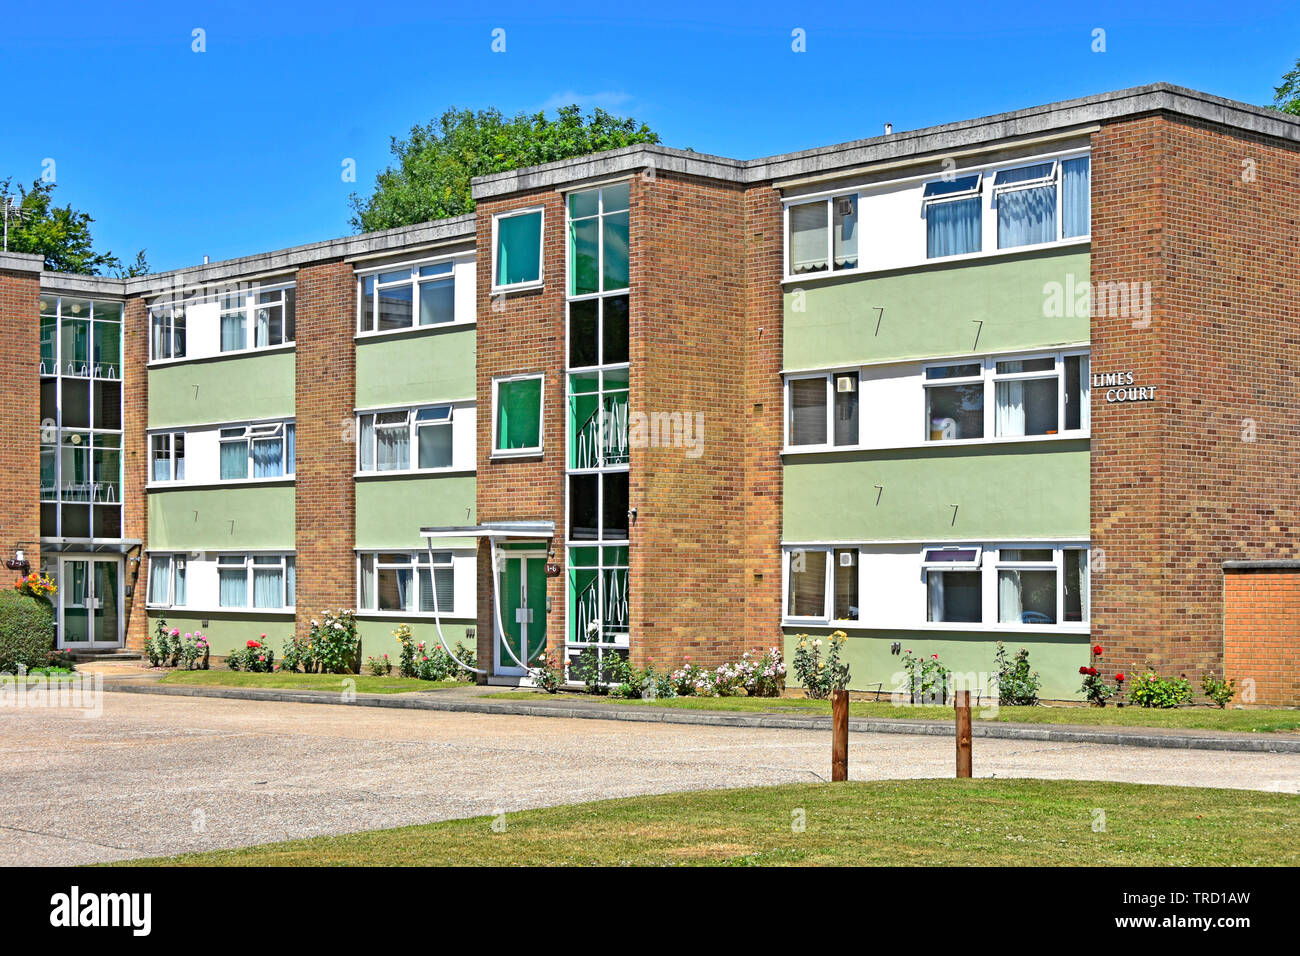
1281	564
21	262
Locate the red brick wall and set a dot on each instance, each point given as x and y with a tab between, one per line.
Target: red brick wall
1261	634
688	346
522	332
135	464
764	413
324	494
20	478
1209	471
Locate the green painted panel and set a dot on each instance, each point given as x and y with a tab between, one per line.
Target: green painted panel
242	516
935	310
227	632
1002	491
391	511
377	636
222	390
432	365
1057	658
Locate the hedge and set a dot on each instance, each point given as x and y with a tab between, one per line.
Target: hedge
26	631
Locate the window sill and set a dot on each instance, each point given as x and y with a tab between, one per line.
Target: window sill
956	442
414	330
943	261
236	353
179	609
227	483
518	287
516	453
415	615
1022	629
413	473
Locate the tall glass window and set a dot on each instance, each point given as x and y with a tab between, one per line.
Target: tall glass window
80	368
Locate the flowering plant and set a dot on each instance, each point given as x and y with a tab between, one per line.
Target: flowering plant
1094	686
546	673
928	680
37	584
1152	691
379	666
333	642
819	677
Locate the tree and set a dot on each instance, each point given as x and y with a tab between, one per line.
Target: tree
1286	98
431	177
60	234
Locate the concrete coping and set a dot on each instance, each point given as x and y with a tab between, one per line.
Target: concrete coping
21	262
1276	565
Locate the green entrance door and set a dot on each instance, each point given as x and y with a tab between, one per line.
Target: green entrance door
523	613
90	601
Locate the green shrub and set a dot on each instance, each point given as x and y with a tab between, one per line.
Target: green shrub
1017	685
820	677
334	642
1219	691
1152	691
26	631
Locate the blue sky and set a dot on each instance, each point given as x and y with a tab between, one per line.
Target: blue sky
239	149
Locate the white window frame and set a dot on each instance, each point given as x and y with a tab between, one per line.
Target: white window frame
171	308
832	386
541	250
249	560
254	432
415	562
175	563
990	563
533	451
249	307
413	427
599	216
989	377
828	585
828	202
371	328
172	437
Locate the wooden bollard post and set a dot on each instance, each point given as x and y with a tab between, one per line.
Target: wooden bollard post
840	735
963	733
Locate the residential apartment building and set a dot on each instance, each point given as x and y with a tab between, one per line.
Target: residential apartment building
1028	378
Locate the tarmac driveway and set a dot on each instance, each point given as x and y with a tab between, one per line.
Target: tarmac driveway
159	775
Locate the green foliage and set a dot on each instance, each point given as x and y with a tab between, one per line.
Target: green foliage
547	674
1286	98
167	647
26	631
597	672
60	234
1220	691
820	677
418	661
435	163
333	642
256	657
379	666
1017	685
928	681
296	655
1152	691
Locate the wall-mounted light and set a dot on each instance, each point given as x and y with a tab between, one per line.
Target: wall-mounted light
19	562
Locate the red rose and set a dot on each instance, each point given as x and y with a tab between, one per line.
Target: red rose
1083	670
254	644
1092	672
1119	678
1096	649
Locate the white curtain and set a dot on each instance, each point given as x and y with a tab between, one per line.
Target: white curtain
233	589
1011	408
158	568
268	587
934	579
1009	604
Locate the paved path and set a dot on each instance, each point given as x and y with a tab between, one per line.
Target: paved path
157	775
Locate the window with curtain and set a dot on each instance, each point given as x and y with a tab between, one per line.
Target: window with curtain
232	581
953	216
167	456
954	403
808	238
845	562
1026	403
953	597
268	457
518	250
518	414
408	439
407	582
808	411
807	584
404	297
268	582
159	579
179	566
392	441
1026	202
1076	197
234	322
234	453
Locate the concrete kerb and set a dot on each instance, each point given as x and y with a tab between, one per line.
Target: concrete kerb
1061	733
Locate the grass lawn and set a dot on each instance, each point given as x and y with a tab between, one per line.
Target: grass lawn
365	684
904	822
1186	718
